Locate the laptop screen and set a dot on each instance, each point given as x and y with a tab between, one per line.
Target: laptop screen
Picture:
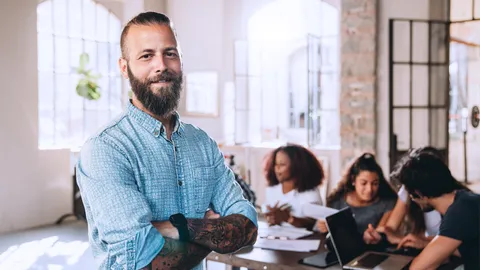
345	237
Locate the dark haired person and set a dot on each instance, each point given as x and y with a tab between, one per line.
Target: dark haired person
416	222
366	191
431	185
294	175
148	178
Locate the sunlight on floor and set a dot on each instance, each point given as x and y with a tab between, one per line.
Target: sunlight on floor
25	255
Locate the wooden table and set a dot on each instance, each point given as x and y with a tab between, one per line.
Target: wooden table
258	258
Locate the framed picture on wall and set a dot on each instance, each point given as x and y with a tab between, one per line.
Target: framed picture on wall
201	94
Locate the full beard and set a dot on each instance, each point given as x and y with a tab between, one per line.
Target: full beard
160	101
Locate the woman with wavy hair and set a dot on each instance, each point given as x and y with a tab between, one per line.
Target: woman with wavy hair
365	190
293	174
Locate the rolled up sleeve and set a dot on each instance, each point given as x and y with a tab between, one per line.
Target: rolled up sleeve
118	213
228	195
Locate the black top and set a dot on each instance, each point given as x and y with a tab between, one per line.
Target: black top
461	222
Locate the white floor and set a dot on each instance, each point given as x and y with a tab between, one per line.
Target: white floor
63	247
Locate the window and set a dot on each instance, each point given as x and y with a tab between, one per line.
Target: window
287	76
66	29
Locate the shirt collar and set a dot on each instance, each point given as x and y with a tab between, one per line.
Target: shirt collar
151	124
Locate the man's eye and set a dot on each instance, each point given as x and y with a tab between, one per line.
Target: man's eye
146	56
171	54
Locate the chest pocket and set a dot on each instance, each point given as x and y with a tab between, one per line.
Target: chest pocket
204	182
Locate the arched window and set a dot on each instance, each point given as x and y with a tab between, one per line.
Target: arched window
287	75
68	29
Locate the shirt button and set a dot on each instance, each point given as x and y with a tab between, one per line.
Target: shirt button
180	183
156	133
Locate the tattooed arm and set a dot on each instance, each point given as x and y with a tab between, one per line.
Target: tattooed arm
178	255
223	235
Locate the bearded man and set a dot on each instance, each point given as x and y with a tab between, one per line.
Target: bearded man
148	179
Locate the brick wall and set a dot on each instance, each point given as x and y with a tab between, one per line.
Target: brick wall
358	80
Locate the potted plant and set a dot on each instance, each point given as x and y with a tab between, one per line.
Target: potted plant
87	86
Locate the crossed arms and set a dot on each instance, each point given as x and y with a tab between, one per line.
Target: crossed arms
222	235
121	216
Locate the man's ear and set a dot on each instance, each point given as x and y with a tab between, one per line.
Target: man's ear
123	65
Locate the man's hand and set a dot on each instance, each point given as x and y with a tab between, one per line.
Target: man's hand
413	241
392	236
167	229
371	236
210	214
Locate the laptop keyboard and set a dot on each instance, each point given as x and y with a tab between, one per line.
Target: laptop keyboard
371	260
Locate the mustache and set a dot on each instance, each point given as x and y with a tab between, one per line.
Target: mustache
164	76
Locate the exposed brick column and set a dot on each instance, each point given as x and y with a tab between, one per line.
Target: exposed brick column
358	78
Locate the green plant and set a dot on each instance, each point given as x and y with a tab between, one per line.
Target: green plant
87	86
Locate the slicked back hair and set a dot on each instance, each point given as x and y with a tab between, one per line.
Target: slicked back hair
145	18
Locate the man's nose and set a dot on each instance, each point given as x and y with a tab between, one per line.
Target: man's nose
159	64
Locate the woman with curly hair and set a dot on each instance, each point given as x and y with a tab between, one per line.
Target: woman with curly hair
293	175
366	191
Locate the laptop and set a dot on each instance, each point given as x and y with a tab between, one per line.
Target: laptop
352	251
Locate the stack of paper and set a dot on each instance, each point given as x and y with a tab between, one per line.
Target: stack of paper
317	211
288	245
281	232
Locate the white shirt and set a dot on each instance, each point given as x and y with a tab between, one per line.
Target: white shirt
432	218
293	198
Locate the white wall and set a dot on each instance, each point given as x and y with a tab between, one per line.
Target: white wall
35	186
199	26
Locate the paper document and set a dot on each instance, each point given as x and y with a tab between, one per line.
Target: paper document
288	245
317	211
281	232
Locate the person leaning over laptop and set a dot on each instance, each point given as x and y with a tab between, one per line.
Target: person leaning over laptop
431	185
366	191
421	226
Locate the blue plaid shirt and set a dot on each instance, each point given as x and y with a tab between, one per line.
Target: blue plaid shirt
130	174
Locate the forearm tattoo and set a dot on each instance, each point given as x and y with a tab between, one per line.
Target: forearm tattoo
178	255
223	235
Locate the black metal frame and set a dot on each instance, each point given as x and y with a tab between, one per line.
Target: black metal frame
394	152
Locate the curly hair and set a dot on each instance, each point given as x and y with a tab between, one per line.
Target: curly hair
304	167
365	162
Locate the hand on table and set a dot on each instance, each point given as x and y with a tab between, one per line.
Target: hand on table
413	241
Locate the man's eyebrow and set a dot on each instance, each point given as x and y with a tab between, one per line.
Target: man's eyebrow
171	49
147	51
